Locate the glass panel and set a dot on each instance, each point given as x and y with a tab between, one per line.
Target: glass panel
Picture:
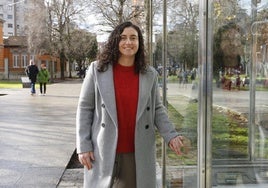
182	85
240	93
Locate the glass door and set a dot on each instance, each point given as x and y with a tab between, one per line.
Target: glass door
214	78
175	56
239	110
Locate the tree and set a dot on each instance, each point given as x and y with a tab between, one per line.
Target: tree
232	36
227	49
61	13
114	12
81	46
183	35
225	12
36	27
48	21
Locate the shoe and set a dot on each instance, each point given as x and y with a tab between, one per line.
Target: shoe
40	94
44	94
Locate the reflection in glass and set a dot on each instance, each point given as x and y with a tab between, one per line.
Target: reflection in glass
240	94
182	87
240	90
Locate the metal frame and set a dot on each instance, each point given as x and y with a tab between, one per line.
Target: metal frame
204	164
164	85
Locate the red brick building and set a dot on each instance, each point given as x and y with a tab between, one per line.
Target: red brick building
14	57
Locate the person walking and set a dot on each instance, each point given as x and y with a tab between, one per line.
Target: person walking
118	112
32	71
43	78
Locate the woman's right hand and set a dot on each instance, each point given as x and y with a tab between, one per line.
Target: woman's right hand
86	159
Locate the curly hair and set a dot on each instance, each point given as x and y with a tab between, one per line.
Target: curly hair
110	54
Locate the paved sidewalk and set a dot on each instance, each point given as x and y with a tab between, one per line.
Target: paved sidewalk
37	135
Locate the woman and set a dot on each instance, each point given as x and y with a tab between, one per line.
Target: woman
118	111
43	78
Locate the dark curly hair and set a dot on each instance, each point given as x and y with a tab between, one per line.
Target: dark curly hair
110	54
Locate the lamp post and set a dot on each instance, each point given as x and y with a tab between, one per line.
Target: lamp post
49	24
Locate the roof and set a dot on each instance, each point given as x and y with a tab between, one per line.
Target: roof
15	41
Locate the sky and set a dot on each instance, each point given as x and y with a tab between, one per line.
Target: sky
247	4
91	24
92	21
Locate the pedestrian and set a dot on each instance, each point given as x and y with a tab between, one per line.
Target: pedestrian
32	71
184	79
43	78
118	112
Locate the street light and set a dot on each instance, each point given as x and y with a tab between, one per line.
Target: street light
49	22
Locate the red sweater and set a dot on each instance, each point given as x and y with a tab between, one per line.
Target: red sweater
126	84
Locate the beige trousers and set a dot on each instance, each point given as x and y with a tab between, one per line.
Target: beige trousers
124	173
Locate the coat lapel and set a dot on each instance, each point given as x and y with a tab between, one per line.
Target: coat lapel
106	88
145	85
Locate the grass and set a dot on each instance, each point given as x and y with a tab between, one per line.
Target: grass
10	84
229	135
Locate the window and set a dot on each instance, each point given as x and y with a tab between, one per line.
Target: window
32	57
24	60
9	7
10	25
1	7
9	16
16	61
2	16
10	34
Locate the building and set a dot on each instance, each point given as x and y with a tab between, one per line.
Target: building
12	11
14	57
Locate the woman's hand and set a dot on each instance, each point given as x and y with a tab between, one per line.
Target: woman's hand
86	159
176	144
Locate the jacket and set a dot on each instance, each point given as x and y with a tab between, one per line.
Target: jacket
32	71
43	76
96	123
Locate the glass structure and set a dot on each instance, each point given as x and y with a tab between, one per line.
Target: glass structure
212	60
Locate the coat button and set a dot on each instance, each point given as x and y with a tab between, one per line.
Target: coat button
148	108
103	125
146	126
103	105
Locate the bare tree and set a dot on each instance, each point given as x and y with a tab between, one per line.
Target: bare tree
35	19
110	13
113	12
48	21
61	12
183	21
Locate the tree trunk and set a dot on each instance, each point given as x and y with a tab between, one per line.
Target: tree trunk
62	65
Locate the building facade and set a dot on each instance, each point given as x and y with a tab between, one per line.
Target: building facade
12	11
14	57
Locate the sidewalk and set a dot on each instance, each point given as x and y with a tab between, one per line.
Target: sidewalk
37	135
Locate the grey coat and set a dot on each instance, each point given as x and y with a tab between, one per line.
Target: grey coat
97	126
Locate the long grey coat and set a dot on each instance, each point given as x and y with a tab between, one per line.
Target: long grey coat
97	126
